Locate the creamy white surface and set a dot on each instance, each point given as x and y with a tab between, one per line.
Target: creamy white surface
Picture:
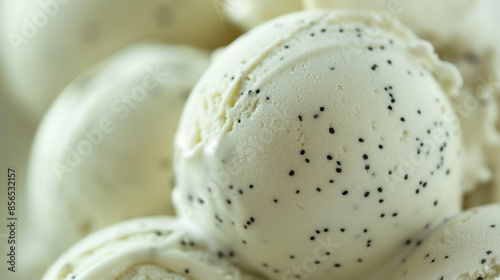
249	13
465	34
465	247
292	140
144	248
104	151
46	46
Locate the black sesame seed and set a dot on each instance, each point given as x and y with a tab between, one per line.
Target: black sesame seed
374	67
380	147
380	189
291	173
329	157
367	194
345	192
331	130
361	140
302	152
365	157
300	118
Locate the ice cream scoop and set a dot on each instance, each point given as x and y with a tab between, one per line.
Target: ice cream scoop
462	33
463	247
104	151
47	44
249	13
323	144
145	248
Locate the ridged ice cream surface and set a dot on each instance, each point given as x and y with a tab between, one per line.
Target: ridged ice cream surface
323	145
464	247
147	248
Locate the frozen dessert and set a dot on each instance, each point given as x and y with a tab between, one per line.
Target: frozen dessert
249	13
104	150
462	248
320	146
440	22
49	43
145	249
462	34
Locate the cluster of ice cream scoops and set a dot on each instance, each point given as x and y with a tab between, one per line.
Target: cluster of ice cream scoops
333	139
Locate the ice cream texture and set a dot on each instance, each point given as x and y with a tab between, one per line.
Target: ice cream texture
466	246
463	34
47	44
322	146
104	151
146	248
446	19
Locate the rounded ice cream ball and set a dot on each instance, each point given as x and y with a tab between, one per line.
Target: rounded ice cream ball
144	248
322	146
249	13
445	19
104	151
462	33
49	43
466	246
